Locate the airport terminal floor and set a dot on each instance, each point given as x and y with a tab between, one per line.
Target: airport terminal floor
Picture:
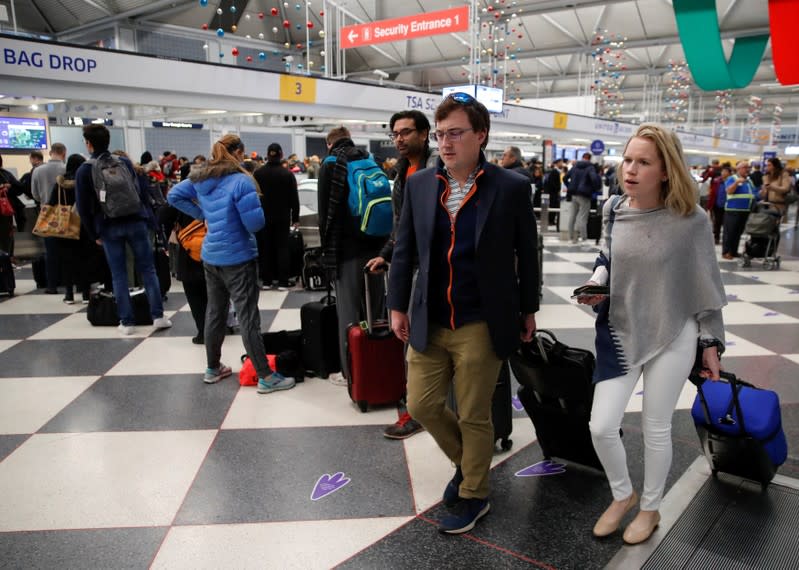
114	454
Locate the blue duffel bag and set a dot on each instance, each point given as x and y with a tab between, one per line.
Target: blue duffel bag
740	427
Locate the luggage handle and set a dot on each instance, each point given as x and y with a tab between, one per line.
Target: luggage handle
369	320
735	403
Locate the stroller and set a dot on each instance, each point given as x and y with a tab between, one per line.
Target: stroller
763	227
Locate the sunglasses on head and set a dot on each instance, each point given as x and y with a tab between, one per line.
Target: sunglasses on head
462	98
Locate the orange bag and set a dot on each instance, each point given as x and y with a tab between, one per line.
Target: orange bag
191	238
247	374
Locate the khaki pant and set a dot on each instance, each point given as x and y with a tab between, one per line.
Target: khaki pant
463	357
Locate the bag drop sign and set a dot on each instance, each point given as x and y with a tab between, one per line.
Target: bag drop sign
51	61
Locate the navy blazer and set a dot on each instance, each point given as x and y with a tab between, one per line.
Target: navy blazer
507	254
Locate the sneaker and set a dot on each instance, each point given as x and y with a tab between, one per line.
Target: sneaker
51	291
275	382
465	516
162	323
406	426
451	497
126	330
285	285
69	300
337	379
197	340
214	375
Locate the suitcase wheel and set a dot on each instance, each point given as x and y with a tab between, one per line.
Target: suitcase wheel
715	473
506	444
363	406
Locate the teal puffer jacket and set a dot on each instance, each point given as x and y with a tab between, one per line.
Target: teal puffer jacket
230	206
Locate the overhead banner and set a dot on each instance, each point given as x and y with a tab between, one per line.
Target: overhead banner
405	28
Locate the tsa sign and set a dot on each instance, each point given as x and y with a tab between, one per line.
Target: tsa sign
597	147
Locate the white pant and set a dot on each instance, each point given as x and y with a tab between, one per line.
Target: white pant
664	378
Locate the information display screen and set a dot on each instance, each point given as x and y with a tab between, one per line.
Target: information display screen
23	133
491	97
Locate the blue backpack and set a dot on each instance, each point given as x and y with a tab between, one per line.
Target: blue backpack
369	198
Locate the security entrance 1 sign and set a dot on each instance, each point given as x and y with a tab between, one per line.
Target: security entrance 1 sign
406	28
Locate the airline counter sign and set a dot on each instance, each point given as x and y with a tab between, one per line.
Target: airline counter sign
405	28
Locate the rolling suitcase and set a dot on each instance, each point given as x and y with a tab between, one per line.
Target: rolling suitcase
320	336
740	428
7	281
594	226
557	393
376	360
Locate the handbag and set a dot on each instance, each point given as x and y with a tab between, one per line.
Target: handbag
59	220
6	208
191	239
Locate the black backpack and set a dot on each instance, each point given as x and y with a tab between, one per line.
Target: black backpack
115	186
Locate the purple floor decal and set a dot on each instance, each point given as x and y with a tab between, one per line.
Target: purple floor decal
328	484
770	314
517	404
541	469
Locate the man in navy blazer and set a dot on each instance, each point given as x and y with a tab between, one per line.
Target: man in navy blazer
472	227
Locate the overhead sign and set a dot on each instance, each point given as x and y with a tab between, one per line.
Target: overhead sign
405	28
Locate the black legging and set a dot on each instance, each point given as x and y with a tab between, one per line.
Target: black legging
273	252
734	224
197	296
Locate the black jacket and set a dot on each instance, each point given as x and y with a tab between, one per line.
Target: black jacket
279	197
339	230
583	180
519	167
187	269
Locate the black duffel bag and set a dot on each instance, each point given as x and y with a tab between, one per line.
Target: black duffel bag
557	393
102	309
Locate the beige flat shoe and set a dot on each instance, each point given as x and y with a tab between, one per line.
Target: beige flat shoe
610	520
642	527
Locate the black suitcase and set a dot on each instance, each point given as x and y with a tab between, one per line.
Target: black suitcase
557	393
320	336
594	229
501	408
102	309
296	253
7	281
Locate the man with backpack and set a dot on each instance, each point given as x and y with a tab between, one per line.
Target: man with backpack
113	211
350	235
581	183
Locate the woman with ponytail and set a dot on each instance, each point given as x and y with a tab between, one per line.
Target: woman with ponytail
223	195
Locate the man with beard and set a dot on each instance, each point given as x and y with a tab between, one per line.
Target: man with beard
410	132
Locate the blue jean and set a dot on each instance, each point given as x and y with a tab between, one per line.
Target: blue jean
135	234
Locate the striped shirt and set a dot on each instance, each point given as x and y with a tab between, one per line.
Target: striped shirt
458	193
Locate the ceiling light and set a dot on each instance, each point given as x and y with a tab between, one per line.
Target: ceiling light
212	112
34	107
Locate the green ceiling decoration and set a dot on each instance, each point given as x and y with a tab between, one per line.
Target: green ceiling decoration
698	25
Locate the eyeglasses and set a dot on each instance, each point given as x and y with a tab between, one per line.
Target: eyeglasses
404	133
454	135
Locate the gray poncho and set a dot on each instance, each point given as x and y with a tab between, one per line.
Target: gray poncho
663	272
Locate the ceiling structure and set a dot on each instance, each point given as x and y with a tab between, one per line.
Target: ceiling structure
550	43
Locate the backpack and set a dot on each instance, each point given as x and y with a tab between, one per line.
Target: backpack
191	239
369	198
115	186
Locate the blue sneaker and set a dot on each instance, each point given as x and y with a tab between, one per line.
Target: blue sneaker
275	382
451	497
214	375
464	516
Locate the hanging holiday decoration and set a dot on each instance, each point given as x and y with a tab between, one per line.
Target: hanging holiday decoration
776	127
677	81
723	112
753	117
609	67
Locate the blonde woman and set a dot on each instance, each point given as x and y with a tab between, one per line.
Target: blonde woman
665	299
224	195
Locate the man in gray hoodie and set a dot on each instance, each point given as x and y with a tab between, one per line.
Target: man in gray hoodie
581	183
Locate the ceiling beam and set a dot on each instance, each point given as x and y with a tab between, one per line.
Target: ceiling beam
145	10
47	24
567	50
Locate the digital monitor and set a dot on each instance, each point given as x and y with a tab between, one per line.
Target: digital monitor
23	133
491	97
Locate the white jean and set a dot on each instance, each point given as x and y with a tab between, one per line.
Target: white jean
664	377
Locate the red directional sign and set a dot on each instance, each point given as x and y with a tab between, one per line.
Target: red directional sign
406	28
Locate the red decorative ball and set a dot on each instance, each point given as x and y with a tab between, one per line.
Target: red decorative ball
235	52
322	13
274	11
310	25
260	15
205	26
286	24
490	8
299	46
249	59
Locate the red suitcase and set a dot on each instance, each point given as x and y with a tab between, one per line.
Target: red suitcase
377	361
